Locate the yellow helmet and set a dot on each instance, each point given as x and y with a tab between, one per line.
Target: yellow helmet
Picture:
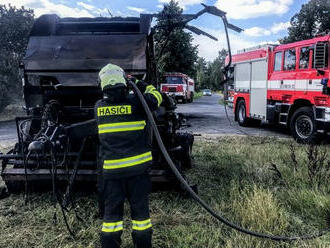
111	75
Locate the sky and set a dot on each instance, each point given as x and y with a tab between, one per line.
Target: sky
263	21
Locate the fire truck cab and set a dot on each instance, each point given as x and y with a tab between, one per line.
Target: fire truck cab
285	84
178	85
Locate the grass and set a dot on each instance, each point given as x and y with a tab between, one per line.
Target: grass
222	101
198	95
253	181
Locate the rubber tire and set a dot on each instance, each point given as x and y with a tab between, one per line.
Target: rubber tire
245	121
185	140
307	112
254	122
187	162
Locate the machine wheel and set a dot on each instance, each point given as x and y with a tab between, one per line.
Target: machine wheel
186	161
302	125
241	114
185	140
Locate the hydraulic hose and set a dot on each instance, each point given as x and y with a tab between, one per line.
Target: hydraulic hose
197	198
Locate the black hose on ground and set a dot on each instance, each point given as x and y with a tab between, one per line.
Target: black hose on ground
67	196
197	198
26	192
55	193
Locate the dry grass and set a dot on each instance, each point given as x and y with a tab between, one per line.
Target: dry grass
234	175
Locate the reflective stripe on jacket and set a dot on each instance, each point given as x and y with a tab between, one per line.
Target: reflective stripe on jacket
121	126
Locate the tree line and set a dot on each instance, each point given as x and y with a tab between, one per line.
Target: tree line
15	25
311	20
173	46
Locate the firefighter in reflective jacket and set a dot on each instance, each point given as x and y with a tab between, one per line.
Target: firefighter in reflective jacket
124	155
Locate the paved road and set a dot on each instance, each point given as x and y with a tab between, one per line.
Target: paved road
7	133
206	116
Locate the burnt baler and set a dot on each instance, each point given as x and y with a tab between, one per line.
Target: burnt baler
60	87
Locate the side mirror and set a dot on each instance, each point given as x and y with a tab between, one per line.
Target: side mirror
326	88
324	82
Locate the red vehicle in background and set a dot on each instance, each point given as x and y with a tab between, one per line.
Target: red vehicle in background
178	85
285	84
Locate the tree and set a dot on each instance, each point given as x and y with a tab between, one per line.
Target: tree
174	49
313	18
15	25
201	74
209	75
217	76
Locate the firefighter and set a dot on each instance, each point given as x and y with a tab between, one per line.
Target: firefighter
124	154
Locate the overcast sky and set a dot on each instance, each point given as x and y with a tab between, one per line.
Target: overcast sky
263	20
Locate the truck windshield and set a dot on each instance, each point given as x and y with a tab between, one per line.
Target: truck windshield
174	80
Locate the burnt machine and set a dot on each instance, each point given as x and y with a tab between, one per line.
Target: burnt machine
57	138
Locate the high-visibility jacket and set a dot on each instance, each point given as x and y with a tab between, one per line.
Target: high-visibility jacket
124	148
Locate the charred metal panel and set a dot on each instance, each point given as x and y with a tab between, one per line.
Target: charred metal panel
85	53
47	25
71	51
83	78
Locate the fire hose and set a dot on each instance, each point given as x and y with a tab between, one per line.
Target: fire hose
201	202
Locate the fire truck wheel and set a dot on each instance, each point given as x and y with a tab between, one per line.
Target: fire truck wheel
302	125
241	114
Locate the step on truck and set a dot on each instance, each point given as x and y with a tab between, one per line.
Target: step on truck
285	84
178	85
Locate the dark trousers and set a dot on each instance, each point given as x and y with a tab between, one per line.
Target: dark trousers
136	189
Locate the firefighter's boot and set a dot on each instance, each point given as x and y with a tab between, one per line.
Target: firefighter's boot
142	239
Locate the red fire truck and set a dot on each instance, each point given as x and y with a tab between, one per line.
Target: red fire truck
178	85
286	84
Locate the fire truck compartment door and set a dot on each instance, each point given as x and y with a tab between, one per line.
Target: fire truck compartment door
242	77
258	90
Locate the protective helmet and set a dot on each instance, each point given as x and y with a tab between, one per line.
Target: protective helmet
112	76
